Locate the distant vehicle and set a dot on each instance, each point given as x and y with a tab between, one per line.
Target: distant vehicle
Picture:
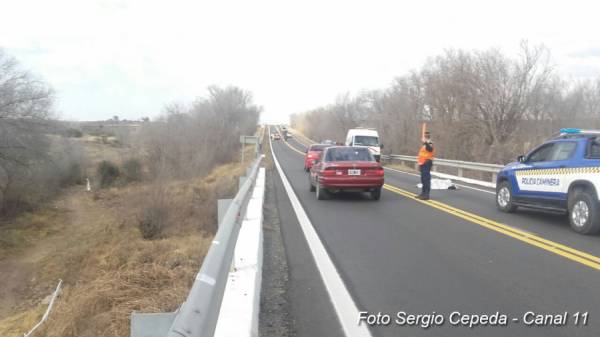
276	136
346	169
287	135
365	137
562	174
313	153
328	142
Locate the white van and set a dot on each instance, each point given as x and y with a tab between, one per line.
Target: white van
365	137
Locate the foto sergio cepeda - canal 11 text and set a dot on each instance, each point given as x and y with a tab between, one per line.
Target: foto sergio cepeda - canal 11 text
473	320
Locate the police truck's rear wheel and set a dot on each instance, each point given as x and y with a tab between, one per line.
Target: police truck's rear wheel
504	199
583	213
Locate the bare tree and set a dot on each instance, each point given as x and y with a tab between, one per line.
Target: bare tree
22	95
189	141
31	167
480	105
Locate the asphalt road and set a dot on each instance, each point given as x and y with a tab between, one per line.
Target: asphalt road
400	254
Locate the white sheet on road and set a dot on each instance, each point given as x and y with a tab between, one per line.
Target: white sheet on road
440	184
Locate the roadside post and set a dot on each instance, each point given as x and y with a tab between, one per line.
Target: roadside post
222	207
248	140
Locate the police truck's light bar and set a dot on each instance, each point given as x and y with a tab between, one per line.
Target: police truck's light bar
566	131
570	130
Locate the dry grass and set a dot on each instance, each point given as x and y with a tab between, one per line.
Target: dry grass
27	229
22	322
133	275
96	152
92	242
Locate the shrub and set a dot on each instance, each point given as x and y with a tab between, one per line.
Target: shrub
74	133
153	221
132	170
73	175
107	173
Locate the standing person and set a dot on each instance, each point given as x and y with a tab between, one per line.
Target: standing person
425	161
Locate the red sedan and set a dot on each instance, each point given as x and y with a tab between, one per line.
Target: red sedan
346	168
313	153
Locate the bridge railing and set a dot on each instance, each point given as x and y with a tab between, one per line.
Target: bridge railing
460	165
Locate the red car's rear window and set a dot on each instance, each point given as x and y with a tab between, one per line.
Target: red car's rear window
318	147
349	154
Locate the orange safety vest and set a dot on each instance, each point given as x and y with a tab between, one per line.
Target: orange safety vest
425	155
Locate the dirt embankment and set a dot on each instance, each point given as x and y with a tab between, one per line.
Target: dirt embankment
91	241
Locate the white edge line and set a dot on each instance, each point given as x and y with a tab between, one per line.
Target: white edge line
344	305
461	185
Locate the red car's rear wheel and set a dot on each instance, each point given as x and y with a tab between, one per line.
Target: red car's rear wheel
376	193
322	193
310	184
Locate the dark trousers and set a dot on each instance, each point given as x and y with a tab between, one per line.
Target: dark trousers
426	177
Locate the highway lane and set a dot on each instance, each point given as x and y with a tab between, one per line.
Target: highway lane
400	254
480	201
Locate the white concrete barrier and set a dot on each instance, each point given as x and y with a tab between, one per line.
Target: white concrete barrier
238	316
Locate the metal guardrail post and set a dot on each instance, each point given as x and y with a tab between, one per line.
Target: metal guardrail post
222	207
241	181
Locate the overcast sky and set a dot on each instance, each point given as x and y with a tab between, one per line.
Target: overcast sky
129	58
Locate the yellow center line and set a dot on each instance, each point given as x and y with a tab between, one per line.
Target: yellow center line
307	141
303	143
548	245
293	148
532	239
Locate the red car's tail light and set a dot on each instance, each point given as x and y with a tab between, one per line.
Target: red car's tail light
313	154
328	172
375	172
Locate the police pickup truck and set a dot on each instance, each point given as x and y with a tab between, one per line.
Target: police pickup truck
562	174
